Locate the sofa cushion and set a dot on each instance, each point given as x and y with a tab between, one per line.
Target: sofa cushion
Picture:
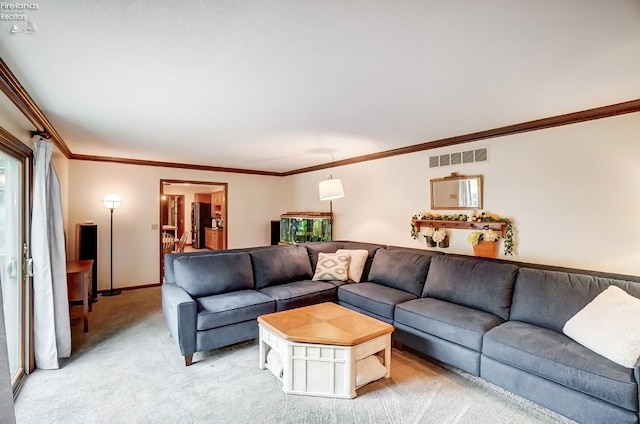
448	321
372	248
400	269
608	325
301	293
332	266
231	308
284	264
206	275
316	247
169	274
414	250
476	283
549	298
378	299
557	358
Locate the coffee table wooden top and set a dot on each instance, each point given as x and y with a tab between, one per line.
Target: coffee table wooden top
324	323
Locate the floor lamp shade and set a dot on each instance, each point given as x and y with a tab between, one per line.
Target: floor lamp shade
330	189
112	201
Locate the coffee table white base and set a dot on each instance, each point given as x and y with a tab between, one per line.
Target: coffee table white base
321	370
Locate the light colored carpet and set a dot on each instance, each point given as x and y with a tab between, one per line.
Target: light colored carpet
127	369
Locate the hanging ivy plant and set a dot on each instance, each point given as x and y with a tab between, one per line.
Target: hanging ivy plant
415	231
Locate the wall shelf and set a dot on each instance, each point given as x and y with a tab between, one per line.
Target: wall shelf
462	225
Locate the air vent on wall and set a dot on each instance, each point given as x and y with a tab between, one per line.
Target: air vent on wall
458	158
444	160
480	155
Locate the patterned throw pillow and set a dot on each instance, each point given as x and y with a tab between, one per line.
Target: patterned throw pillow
331	266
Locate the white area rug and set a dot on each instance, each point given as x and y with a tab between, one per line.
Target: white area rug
127	369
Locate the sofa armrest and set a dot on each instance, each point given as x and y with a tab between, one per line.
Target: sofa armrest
180	313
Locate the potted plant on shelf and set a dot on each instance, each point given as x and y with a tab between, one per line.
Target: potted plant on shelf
509	243
485	243
440	236
428	235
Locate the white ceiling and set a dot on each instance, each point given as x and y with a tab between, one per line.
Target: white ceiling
278	85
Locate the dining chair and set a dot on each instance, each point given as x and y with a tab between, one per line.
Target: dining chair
168	243
182	242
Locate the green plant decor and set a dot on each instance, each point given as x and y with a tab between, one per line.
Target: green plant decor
508	229
415	231
481	217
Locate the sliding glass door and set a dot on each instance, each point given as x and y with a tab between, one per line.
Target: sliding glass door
12	259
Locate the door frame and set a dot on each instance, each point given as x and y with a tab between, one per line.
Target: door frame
225	209
10	145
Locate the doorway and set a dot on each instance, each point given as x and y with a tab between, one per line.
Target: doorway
197	209
15	173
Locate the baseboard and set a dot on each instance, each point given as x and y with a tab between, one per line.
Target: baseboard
142	286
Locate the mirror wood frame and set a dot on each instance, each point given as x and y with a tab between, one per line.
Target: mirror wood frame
457	177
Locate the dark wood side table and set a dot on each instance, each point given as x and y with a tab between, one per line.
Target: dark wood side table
79	286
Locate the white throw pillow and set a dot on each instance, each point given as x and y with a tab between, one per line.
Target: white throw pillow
369	369
356	263
331	266
608	325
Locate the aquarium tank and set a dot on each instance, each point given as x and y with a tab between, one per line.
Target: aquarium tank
301	227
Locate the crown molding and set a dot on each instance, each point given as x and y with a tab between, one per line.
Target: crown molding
631	106
141	162
538	124
12	88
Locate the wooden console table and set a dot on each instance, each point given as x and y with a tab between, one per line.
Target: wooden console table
79	286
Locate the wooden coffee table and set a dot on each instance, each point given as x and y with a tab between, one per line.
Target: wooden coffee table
319	346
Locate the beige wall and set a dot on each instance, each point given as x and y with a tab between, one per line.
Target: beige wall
573	193
252	202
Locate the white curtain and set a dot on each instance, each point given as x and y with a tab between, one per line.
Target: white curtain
51	327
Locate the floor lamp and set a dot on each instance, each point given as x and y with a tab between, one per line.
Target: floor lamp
111	202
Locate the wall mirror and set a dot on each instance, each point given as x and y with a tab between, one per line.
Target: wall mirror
457	192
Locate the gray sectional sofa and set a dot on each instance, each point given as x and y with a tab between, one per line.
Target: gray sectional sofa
495	319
